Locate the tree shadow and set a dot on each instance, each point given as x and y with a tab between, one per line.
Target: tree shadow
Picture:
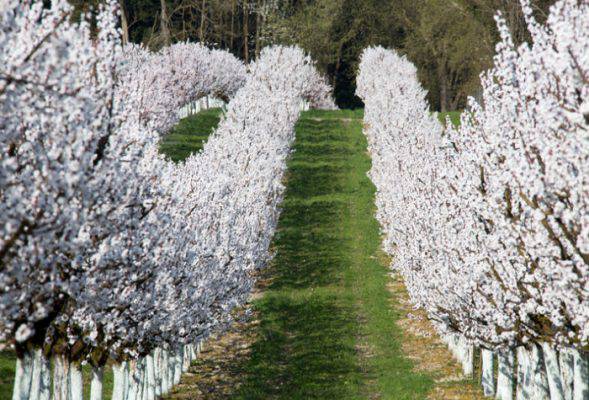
303	350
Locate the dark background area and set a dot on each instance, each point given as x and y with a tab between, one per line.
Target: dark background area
450	41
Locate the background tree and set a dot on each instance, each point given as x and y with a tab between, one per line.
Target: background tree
451	42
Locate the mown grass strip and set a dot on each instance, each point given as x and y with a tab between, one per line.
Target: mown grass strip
326	329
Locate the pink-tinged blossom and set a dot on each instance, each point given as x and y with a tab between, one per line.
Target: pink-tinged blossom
108	249
488	221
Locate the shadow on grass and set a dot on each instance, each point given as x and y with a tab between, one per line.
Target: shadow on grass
307	253
190	134
305	182
304	350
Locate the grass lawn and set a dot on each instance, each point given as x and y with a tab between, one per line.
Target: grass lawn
190	134
327	330
187	137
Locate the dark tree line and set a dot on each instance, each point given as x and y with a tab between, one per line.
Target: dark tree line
450	41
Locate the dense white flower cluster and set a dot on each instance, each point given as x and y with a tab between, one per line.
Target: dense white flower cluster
488	221
108	250
177	74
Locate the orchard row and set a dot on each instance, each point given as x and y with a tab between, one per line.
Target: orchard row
488	222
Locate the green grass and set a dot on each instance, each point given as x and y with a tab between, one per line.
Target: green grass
187	137
7	364
327	329
454	117
190	134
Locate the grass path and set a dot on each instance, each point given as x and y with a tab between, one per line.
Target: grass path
324	327
327	328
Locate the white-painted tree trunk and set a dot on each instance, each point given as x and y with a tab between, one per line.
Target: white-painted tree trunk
567	366
119	382
524	379
178	364
171	369
40	381
580	375
150	392
142	378
186	358
23	377
487	380
166	371
135	378
505	375
126	380
76	391
157	367
553	373
36	375
61	378
467	357
96	386
131	379
541	390
532	381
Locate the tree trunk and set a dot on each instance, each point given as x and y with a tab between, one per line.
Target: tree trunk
581	376
41	379
532	382
553	372
134	379
150	378
124	22
96	385
487	380
246	33
466	356
76	391
442	79
165	23
119	382
232	35
524	385
178	365
541	389
203	20
258	31
157	368
61	377
505	375
166	371
567	366
23	377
